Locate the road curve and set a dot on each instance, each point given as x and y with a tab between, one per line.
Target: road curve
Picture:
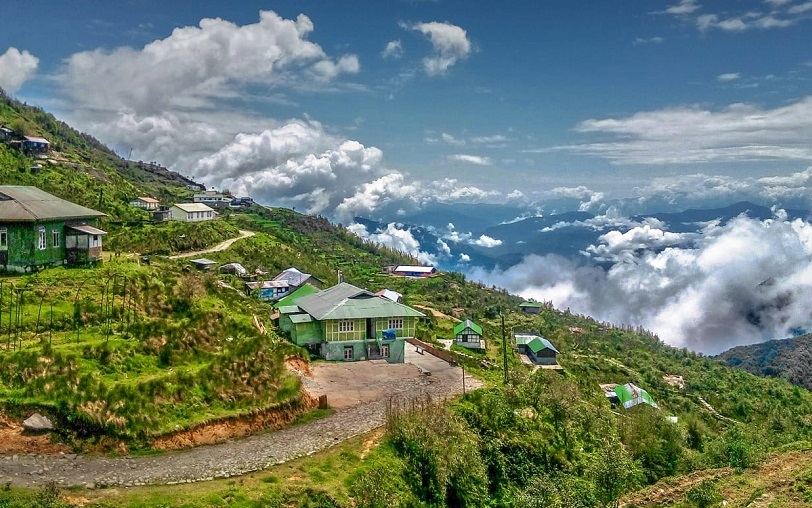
217	248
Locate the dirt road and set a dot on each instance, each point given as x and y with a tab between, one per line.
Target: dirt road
217	248
359	409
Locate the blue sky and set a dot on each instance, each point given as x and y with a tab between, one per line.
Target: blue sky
348	108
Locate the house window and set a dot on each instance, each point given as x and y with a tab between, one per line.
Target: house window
55	237
346	325
3	238
396	323
348	353
385	351
42	244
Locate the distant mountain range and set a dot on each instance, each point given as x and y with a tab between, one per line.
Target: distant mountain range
566	234
787	358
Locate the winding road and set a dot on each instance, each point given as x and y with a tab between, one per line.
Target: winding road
235	458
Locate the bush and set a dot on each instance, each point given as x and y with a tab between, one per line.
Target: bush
703	495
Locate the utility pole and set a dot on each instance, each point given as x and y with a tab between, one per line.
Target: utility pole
504	349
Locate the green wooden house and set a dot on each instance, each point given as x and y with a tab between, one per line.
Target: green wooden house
469	334
348	323
38	229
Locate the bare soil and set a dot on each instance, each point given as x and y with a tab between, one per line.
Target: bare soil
14	439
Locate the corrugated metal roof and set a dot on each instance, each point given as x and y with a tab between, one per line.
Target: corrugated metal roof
345	301
203	261
301	318
24	203
37	139
88	229
292	298
524	338
146	199
389	294
193	207
419	269
531	304
293	276
289	309
539	343
467	324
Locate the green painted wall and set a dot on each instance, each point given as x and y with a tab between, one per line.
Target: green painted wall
332	327
306	333
335	350
23	250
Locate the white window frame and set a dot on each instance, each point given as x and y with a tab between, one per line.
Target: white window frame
3	239
396	323
346	325
55	238
349	353
385	351
43	244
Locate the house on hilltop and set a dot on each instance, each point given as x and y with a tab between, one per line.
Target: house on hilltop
35	145
145	203
213	199
348	323
530	307
38	229
284	284
191	212
469	334
414	271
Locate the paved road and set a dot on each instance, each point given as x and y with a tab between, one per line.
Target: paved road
236	457
217	248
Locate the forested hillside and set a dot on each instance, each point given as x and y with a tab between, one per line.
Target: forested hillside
790	359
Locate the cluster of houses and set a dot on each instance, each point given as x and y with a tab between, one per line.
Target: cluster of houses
204	207
34	145
38	229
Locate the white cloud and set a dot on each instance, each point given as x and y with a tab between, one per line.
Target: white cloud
464	258
516	194
393	50
651	40
196	64
451	140
395	238
489	140
15	68
744	282
800	8
487	242
683	7
728	76
690	134
471	159
450	43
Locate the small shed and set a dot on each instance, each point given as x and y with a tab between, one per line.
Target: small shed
541	351
83	244
269	290
203	264
6	134
145	203
530	307
469	334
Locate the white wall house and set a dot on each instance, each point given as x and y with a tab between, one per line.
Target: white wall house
145	203
191	212
212	199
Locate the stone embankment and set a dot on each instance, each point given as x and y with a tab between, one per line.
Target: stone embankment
222	460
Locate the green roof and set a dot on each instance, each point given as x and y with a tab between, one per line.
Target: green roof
536	344
467	324
289	309
291	299
25	203
531	304
345	301
631	395
301	318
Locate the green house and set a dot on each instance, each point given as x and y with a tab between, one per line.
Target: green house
348	323
469	334
38	229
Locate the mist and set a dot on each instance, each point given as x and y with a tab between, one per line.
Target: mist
740	283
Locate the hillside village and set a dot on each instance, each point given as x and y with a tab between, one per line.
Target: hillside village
129	333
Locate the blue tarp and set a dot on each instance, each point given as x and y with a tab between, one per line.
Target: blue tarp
390	334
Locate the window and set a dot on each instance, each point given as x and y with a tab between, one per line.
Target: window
348	353
55	238
3	238
385	351
346	325
42	244
396	323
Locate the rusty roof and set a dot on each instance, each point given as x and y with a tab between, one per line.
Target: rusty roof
24	203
